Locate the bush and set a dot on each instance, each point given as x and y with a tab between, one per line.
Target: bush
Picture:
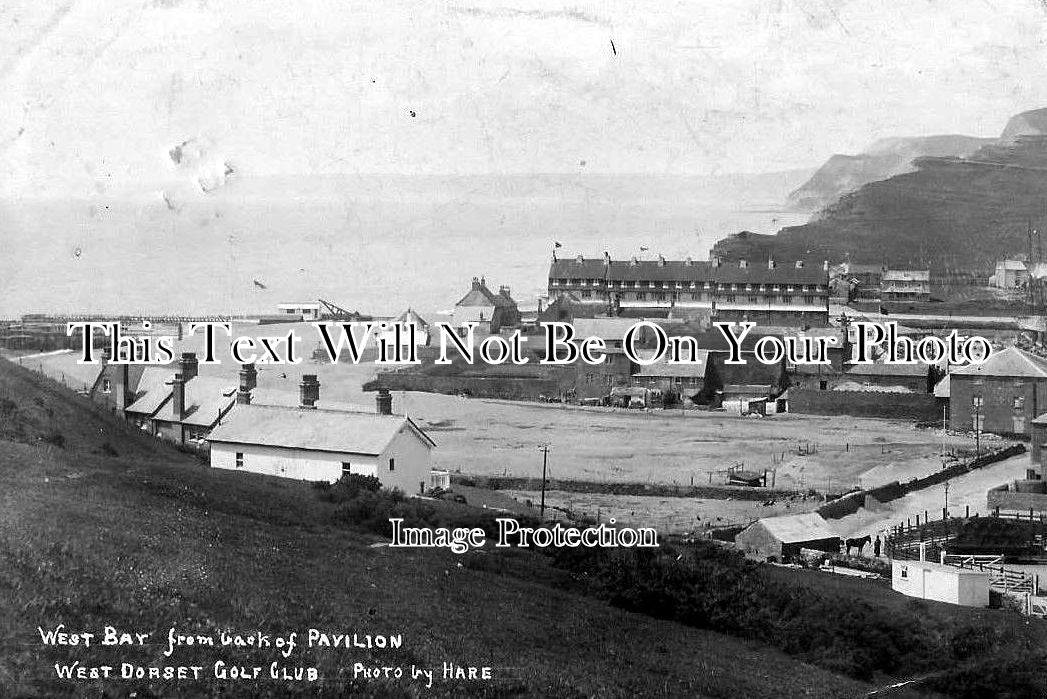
54	437
348	487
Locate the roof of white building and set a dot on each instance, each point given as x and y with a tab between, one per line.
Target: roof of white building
314	429
796	528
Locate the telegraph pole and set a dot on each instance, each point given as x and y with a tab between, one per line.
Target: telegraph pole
978	428
545	464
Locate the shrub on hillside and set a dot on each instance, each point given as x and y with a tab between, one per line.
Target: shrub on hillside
54	437
347	487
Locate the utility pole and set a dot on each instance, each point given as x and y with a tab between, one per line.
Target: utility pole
977	428
545	464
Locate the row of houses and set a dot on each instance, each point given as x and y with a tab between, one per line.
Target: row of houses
249	429
793	294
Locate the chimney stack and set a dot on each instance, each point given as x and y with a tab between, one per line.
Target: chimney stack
384	402
248	377
120	387
178	397
476	282
309	390
661	261
188	365
606	258
715	260
504	291
248	381
825	266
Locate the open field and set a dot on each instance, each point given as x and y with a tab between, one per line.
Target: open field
487	437
100	525
667	514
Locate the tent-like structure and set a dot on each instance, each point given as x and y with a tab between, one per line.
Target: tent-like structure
781	538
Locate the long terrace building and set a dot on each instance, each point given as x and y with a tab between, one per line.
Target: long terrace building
794	294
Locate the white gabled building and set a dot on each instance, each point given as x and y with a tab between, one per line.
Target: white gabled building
316	444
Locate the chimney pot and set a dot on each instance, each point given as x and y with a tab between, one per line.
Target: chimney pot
188	365
178	396
384	402
309	390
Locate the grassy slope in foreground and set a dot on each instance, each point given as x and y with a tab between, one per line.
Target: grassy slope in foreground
147	539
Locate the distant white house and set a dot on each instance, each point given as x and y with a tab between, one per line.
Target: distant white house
308	310
1009	274
317	444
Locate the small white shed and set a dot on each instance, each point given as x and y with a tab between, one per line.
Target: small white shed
940	582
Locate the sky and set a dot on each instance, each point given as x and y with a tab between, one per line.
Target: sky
121	98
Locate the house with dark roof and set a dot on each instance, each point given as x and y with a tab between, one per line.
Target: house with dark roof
490	311
1001	395
790	295
180	406
309	443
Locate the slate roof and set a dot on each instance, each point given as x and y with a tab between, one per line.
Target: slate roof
1010	362
686	271
154	387
1013	265
794	529
313	429
906	275
480	295
207	398
410	316
663	368
605	328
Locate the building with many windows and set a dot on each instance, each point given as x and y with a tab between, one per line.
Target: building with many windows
793	294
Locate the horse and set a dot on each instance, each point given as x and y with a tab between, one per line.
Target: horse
858	543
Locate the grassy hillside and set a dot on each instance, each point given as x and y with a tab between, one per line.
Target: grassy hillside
101	526
885	158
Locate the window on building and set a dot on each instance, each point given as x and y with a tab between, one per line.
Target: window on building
392	464
977	401
346	468
660	296
1019	424
587	294
753	298
823	385
107	386
905	572
695	297
239	459
808	300
641	296
1019	402
731	298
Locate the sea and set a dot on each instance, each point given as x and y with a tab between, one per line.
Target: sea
374	243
